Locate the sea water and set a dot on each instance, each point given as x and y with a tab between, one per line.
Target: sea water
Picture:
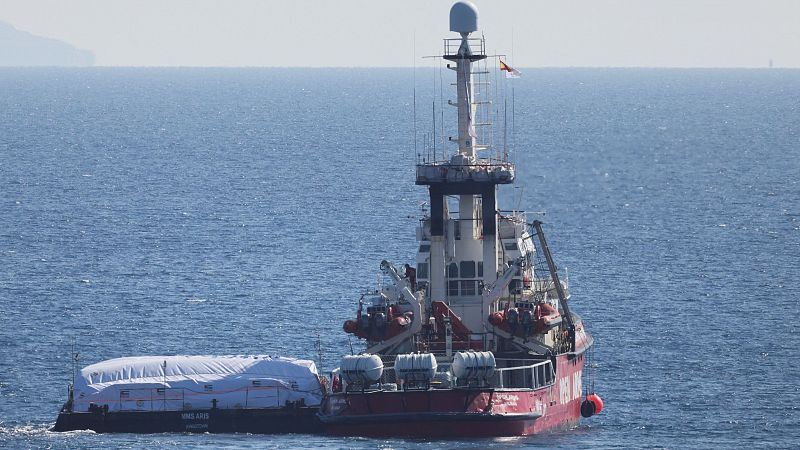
236	211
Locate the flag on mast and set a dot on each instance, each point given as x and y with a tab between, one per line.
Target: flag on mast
510	71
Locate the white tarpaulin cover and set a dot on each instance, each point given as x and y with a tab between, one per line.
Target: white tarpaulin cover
165	383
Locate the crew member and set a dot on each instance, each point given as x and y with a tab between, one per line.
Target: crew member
411	274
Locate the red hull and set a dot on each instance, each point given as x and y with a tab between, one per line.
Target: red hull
460	412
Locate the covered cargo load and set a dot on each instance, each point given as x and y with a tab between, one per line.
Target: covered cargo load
174	383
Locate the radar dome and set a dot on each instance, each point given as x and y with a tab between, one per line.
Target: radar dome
463	17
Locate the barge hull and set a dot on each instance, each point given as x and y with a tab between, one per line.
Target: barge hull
256	421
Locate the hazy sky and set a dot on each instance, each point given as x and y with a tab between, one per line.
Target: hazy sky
671	33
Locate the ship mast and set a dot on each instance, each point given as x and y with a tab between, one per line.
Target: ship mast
467	175
465	89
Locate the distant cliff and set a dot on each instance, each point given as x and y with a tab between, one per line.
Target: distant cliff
19	48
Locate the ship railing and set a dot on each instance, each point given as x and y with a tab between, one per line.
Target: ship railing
479	163
177	399
544	289
444	160
492	170
477	45
531	376
150	399
527	376
516	215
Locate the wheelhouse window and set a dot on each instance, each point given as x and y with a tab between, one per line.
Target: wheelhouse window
452	270
467	269
425	248
480	269
452	288
422	271
468	287
510	246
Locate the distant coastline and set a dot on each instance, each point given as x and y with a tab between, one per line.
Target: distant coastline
22	49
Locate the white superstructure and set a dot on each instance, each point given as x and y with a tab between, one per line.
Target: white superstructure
474	260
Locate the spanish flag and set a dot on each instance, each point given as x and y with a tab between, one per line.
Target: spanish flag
510	71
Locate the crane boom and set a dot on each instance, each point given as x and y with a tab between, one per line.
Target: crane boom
493	292
562	298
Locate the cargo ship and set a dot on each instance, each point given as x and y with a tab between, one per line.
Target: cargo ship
197	394
478	339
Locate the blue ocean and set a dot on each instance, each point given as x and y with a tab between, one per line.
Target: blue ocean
243	211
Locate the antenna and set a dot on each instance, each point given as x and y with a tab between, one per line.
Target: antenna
505	125
318	346
414	82
513	104
164	371
513	122
519	200
73	356
434	126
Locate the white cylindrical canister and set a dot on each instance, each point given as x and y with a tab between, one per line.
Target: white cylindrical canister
473	365
415	367
365	369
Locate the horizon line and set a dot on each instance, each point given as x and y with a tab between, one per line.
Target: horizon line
98	66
